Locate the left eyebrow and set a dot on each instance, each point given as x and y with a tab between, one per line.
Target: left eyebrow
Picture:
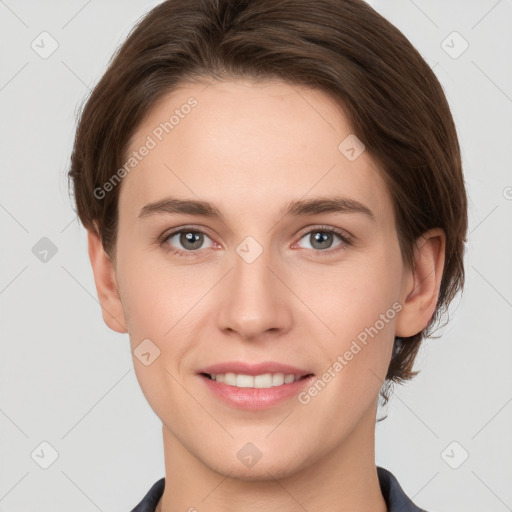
326	205
172	205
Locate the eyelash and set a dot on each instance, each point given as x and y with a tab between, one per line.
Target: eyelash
346	239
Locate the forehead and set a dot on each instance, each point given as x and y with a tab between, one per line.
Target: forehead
244	144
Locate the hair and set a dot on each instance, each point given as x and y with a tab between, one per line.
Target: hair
392	99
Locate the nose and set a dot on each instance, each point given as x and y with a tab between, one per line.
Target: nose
254	300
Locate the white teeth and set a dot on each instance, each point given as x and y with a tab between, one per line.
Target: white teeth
266	380
244	381
263	381
289	378
229	379
277	379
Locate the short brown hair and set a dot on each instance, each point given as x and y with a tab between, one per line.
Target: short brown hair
393	101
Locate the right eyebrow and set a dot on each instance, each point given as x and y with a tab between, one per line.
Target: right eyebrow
186	206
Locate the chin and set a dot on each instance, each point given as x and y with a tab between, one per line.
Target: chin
268	466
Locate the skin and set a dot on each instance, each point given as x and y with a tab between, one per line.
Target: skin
250	148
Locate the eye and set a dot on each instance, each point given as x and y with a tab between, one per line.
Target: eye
321	239
190	239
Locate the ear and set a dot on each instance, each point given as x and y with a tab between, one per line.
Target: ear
421	286
106	285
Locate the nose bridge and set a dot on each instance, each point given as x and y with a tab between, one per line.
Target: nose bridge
251	269
253	302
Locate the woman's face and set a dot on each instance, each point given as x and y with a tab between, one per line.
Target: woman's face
267	281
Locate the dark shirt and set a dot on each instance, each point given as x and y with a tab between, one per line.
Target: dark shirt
395	497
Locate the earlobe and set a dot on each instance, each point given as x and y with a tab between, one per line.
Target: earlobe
421	288
106	286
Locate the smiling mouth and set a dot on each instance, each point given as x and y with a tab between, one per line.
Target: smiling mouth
266	380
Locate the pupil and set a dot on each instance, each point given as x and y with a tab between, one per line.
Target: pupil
320	237
191	237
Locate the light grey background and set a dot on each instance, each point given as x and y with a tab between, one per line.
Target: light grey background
67	380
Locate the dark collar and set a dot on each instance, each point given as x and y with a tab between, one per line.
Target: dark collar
395	497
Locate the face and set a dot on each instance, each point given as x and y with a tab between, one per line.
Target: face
312	292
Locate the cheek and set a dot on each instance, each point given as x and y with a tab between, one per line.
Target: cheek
157	304
360	308
351	296
155	294
361	311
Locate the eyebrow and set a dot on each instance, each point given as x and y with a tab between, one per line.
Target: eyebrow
172	205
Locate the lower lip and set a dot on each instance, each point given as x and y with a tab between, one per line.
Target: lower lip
255	398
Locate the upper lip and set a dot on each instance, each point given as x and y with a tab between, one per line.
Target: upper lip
240	367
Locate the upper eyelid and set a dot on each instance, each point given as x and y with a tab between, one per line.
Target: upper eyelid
185	229
320	227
